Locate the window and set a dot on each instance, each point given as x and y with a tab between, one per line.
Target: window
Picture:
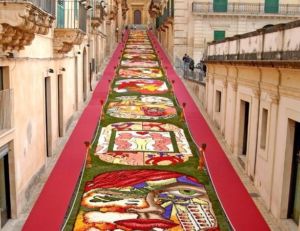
271	6
218	101
76	14
60	14
219	35
220	5
263	133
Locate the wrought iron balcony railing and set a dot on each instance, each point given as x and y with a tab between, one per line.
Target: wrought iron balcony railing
71	15
6	110
246	8
46	5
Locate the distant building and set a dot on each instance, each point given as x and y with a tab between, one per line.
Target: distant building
186	26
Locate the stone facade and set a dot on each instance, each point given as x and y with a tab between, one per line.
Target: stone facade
253	98
46	72
195	22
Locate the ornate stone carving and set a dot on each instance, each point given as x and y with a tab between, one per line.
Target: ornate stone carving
99	16
65	39
19	22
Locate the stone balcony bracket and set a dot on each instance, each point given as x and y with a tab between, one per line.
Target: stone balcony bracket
170	20
112	14
19	22
65	39
96	22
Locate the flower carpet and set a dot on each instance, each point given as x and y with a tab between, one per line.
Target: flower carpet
141	168
143	126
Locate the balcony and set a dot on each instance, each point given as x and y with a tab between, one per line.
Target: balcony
98	14
71	26
6	112
154	8
276	44
124	8
163	21
240	8
21	20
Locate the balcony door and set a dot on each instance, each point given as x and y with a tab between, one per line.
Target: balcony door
60	16
5	209
271	6
137	17
220	5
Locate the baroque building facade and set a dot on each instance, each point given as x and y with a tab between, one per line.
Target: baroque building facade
51	53
253	97
193	23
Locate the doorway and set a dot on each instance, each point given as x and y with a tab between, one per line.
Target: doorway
294	197
48	116
244	127
5	207
76	83
84	70
60	105
1	79
137	17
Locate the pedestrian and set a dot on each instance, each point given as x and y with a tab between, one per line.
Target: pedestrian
191	64
186	61
123	32
200	66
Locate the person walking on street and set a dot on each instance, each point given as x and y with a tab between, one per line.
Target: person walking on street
186	61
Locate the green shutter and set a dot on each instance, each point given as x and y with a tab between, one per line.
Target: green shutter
76	9
220	5
60	14
271	6
219	35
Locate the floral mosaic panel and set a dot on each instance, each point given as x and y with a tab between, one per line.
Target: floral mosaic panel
145	200
143	143
140	51
138	56
134	46
141	107
144	86
145	63
140	72
140	40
